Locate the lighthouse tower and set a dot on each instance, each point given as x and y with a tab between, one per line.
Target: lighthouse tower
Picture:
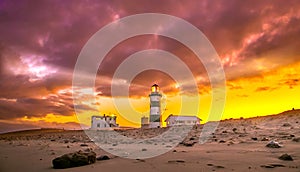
155	97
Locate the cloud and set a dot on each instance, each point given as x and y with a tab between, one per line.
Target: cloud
40	43
259	89
291	83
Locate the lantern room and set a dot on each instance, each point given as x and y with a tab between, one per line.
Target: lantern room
155	88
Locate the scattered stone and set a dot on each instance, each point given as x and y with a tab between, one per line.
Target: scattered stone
254	138
192	138
83	145
292	135
286	125
52	140
224	131
272	165
68	146
264	139
188	143
286	157
219	166
177	161
267	166
115	144
210	164
103	157
66	141
234	129
75	159
140	160
174	150
144	149
273	144
277	165
230	143
222	141
88	149
296	139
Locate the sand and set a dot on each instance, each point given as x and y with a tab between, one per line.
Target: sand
236	145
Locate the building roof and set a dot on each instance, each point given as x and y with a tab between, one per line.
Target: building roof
182	118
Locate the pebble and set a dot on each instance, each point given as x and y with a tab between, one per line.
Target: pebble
286	157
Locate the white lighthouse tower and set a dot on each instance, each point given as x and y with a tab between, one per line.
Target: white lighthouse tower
155	112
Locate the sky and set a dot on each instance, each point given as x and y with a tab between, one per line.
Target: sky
40	41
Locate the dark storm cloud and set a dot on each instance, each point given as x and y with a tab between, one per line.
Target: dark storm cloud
57	30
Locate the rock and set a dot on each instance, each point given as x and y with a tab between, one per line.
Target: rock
103	157
176	161
188	143
272	165
222	141
75	159
286	157
234	129
144	149
83	145
254	138
273	144
286	125
296	139
264	139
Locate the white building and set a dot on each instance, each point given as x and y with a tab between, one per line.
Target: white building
102	122
182	120
144	122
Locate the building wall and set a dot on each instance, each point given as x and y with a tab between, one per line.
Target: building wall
171	121
99	122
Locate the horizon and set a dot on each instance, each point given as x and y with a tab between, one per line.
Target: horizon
256	43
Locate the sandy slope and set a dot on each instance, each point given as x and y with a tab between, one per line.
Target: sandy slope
237	145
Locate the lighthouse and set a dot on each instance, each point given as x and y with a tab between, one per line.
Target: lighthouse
155	112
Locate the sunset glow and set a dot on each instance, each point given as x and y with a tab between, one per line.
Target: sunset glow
258	45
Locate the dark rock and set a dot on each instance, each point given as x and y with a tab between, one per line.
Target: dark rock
272	165
75	159
83	145
188	143
267	166
286	125
177	161
296	139
273	144
222	141
286	157
219	166
144	149
103	157
254	138
264	139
